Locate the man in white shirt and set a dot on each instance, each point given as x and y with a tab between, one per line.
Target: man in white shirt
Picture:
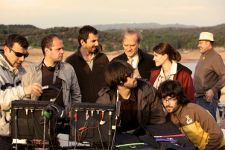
140	61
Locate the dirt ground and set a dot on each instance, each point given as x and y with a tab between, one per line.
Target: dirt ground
187	55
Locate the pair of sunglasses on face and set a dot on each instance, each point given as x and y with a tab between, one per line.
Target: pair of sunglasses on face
18	54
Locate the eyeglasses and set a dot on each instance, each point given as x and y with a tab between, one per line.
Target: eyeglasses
18	54
169	99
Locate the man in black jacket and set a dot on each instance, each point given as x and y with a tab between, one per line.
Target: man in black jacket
140	61
89	64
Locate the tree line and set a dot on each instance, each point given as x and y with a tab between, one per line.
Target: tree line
179	38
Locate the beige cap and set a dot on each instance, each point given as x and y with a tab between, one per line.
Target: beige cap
206	36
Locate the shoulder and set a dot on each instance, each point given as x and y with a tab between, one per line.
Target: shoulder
66	68
30	67
120	57
145	54
105	96
183	68
195	108
145	86
102	55
71	57
103	91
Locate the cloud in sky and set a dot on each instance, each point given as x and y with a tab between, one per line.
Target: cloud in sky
50	13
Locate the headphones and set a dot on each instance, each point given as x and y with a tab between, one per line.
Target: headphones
54	110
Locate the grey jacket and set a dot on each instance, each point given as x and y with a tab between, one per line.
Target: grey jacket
64	71
11	90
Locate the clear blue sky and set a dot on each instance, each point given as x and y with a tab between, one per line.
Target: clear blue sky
69	13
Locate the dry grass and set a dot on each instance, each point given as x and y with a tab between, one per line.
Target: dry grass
187	55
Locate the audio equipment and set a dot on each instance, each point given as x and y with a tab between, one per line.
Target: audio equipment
92	123
28	120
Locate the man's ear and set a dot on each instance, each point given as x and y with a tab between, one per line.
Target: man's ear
82	42
47	50
6	49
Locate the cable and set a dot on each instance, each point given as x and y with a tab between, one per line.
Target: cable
131	144
110	127
15	128
100	136
43	146
116	118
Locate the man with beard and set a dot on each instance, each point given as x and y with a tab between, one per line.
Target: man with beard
193	120
59	78
11	57
89	64
136	102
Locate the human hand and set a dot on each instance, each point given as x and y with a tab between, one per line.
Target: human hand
209	95
35	89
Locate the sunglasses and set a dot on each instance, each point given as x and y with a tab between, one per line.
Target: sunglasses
18	54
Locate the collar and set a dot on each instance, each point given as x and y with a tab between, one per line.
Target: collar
5	64
173	69
207	54
132	97
135	61
178	111
40	64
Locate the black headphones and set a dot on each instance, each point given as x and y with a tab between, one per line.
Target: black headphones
54	110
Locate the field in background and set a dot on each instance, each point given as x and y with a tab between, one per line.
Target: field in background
187	55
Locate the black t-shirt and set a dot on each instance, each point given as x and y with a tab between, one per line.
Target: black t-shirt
55	89
128	113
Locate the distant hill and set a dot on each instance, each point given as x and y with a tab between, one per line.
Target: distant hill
123	26
179	36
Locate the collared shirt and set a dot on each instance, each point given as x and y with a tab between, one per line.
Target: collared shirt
90	62
134	63
162	77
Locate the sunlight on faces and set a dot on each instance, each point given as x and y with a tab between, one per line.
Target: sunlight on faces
10	54
130	44
204	46
170	104
131	82
91	44
56	51
159	58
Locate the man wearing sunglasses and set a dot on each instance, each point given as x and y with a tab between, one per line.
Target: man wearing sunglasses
11	57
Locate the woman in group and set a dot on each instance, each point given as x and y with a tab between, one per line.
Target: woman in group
167	68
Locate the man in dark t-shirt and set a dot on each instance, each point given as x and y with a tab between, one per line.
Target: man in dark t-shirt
58	79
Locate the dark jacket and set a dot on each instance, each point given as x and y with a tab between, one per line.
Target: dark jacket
209	73
145	64
90	81
150	110
183	75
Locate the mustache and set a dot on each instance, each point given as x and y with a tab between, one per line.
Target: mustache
168	107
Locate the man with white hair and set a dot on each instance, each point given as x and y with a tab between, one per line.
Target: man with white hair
209	75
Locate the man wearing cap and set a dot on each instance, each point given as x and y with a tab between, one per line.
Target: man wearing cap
209	75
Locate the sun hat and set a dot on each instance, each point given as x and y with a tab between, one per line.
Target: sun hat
206	36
